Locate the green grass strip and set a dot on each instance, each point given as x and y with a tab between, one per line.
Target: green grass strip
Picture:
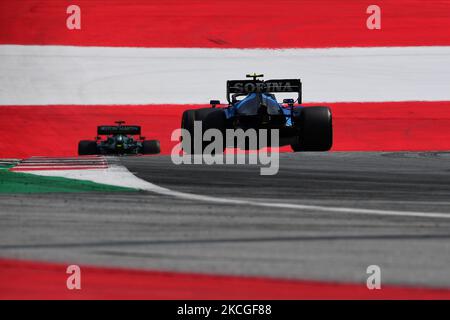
6	165
17	182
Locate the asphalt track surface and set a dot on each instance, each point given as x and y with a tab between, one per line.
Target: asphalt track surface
159	232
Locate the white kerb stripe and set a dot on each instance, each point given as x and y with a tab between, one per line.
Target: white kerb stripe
40	75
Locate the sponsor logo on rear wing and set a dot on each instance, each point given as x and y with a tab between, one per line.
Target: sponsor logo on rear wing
259	86
105	130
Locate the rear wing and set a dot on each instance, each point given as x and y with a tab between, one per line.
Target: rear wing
106	130
260	86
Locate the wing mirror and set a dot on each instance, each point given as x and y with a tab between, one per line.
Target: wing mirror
214	103
289	102
141	137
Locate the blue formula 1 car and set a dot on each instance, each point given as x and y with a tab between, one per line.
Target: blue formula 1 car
119	140
253	105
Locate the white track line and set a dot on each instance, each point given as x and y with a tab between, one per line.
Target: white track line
42	75
120	176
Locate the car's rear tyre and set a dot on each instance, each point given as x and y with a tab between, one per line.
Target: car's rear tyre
210	118
187	136
151	147
87	147
316	130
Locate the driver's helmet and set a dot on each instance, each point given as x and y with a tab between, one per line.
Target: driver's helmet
120	139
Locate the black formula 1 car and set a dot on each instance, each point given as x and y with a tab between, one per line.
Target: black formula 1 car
120	140
252	104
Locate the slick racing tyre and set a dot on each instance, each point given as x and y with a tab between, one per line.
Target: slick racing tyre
210	118
187	136
316	130
87	147
151	147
